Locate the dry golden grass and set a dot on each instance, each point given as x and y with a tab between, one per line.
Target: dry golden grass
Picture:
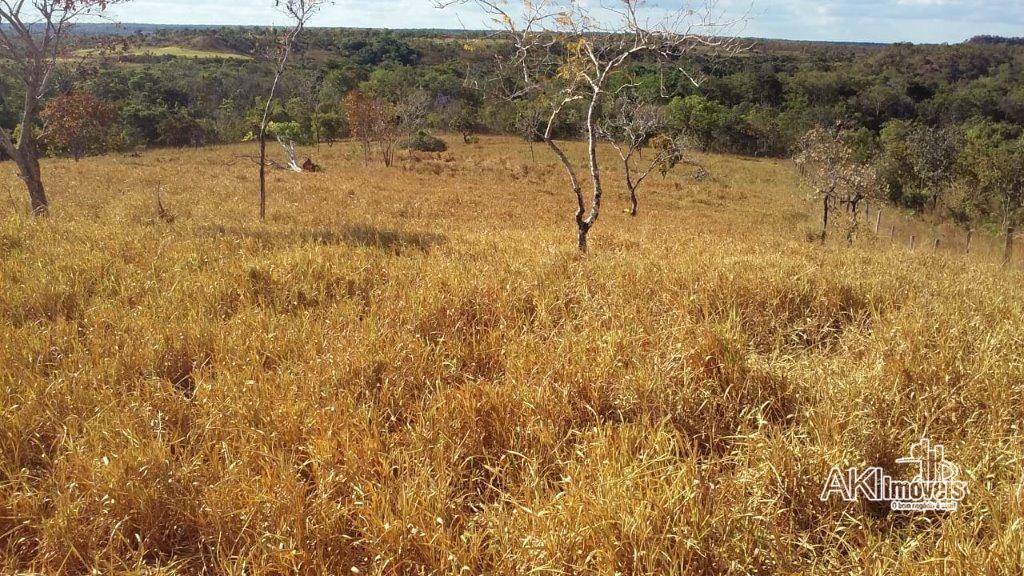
411	371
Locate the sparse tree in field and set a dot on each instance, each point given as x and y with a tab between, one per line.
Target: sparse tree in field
362	113
630	128
377	122
299	13
459	116
530	122
828	165
960	205
33	36
570	51
76	124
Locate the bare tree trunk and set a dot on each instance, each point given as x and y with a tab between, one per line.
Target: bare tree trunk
32	176
595	172
634	204
264	122
878	219
824	219
1008	249
263	175
25	155
970	237
27	159
583	230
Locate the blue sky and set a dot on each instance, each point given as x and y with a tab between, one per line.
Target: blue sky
867	20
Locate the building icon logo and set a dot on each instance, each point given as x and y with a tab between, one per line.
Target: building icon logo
936	485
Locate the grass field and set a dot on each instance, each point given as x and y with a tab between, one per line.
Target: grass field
412	371
177	52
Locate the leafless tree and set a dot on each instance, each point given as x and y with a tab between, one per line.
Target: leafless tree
827	164
530	122
570	51
632	126
33	35
299	13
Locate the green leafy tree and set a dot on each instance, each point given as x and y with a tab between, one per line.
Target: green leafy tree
1000	177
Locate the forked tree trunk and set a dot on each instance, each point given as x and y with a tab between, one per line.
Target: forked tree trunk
634	205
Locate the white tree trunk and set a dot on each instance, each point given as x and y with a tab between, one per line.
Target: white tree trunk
293	158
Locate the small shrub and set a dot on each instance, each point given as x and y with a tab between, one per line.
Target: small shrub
422	141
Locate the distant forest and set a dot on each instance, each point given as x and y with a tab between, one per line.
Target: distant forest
193	86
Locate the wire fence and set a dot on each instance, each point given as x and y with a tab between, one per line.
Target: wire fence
912	233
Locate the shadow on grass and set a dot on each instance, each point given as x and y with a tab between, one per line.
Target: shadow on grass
355	235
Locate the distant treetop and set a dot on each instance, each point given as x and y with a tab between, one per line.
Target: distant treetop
996	40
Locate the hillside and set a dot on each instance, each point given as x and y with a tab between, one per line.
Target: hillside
412	371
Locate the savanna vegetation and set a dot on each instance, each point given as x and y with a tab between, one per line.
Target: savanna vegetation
396	363
907	109
418	374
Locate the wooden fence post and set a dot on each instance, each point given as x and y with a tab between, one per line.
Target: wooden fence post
878	219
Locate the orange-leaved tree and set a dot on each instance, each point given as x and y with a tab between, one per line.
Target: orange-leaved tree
76	124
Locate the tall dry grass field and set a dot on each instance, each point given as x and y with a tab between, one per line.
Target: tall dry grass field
411	371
